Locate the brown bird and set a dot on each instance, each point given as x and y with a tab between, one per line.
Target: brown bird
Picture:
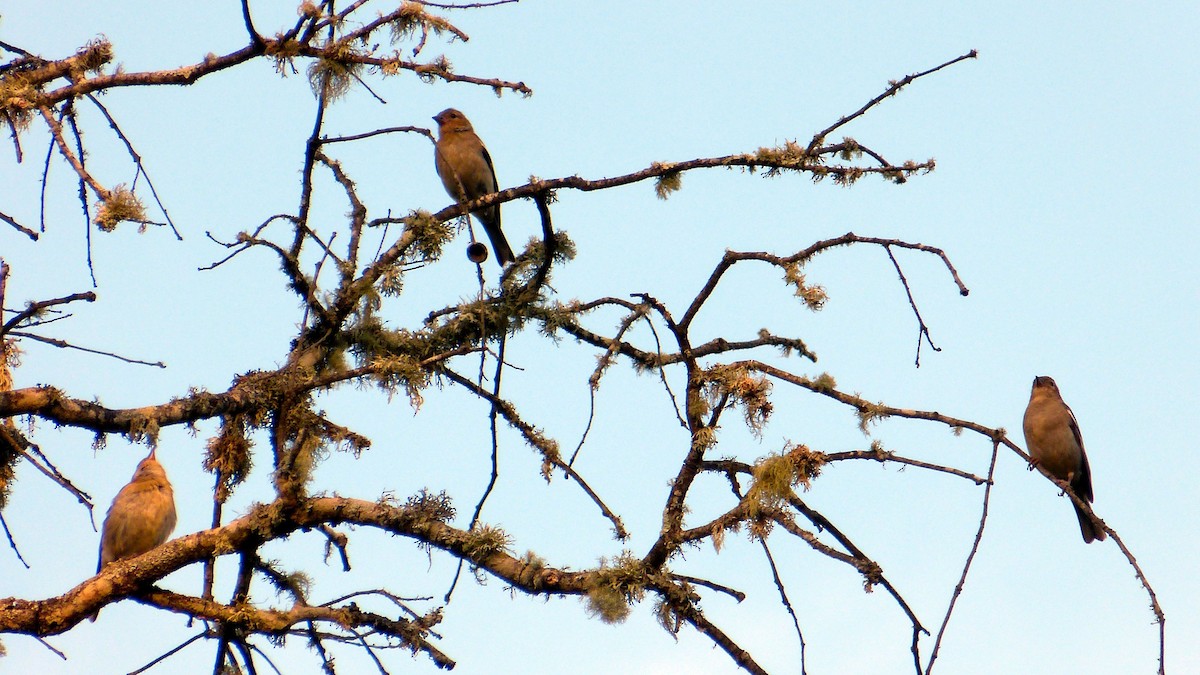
1055	444
141	517
466	170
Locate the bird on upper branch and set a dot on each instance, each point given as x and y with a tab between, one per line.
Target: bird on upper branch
467	173
1054	442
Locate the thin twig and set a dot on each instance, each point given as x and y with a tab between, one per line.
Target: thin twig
329	140
169	653
662	374
883	457
45	184
787	603
696	618
12	543
892	90
49	646
34	308
137	160
602	364
495	437
697	581
63	344
42	464
922	328
339	541
825	524
535	439
20	228
962	580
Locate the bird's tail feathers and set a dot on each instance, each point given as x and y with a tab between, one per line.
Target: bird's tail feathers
1088	528
500	247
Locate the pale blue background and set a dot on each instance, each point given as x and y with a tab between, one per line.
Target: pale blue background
1066	195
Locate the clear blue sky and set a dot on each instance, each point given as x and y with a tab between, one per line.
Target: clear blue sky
1065	194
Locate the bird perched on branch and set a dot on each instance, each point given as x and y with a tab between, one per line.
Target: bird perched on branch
466	170
1055	444
141	517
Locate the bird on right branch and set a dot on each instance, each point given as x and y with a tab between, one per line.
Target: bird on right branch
1054	442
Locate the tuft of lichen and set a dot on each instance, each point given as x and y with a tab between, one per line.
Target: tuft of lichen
429	506
824	383
10	454
412	18
791	155
118	206
484	541
668	617
143	428
776	476
429	234
669	182
813	296
736	385
228	455
92	57
332	75
283	51
615	587
870	413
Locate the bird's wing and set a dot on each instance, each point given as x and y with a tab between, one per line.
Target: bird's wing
491	167
1082	481
1074	424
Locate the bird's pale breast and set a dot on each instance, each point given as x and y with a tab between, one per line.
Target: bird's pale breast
1051	441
